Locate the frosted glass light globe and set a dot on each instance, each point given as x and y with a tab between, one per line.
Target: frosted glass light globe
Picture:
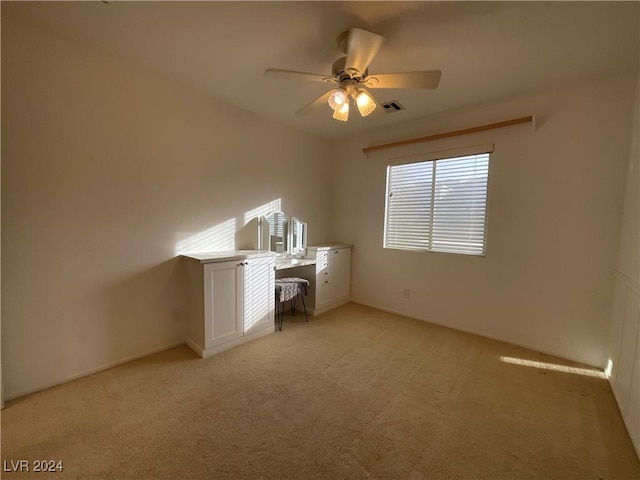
338	98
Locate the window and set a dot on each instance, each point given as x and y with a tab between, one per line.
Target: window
438	205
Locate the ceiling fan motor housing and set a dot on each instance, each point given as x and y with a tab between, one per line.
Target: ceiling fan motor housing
340	73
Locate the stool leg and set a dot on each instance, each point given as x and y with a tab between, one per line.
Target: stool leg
305	309
278	316
276	312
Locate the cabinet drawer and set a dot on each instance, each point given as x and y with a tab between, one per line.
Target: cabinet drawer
338	258
322	261
325	291
326	274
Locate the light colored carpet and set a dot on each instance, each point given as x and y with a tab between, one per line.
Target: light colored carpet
356	393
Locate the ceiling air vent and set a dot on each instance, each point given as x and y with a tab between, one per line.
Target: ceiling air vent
392	106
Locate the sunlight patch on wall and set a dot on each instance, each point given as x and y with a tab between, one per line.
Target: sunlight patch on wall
609	369
554	366
258	299
220	237
272	206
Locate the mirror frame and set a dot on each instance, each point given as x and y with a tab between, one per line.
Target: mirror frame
293	250
265	233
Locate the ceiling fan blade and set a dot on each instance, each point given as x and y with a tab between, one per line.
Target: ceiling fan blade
428	80
293	75
321	100
362	47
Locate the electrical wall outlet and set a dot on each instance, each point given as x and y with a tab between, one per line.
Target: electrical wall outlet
406	293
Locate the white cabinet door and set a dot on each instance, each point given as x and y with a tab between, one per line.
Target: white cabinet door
333	278
325	293
259	294
222	302
342	265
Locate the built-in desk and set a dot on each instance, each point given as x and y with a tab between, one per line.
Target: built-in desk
328	269
231	293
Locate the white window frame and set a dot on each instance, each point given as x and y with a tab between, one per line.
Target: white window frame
434	157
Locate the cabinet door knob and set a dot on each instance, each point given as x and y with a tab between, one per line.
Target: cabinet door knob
326	281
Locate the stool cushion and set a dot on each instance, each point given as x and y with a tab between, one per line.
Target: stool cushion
301	283
286	291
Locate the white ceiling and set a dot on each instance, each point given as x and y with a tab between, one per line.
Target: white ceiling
486	50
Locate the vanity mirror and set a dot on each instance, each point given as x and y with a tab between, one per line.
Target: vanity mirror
297	237
273	232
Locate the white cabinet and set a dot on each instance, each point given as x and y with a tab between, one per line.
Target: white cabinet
230	302
223	284
331	285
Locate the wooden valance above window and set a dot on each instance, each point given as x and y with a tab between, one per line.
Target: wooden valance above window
455	133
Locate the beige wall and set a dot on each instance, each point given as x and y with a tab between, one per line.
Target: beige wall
624	339
107	171
555	203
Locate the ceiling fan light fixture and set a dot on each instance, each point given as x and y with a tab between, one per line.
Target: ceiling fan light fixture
338	98
365	102
350	75
342	112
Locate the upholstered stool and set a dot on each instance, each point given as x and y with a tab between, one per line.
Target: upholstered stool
288	289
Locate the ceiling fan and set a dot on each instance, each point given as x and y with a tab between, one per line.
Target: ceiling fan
351	75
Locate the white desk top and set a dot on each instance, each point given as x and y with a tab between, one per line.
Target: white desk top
329	246
212	257
290	262
281	262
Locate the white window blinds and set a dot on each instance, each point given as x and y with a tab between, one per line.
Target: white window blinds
438	205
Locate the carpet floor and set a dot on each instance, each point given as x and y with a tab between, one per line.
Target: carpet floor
356	393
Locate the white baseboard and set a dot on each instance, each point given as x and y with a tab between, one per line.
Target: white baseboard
486	335
207	352
194	346
90	372
320	311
